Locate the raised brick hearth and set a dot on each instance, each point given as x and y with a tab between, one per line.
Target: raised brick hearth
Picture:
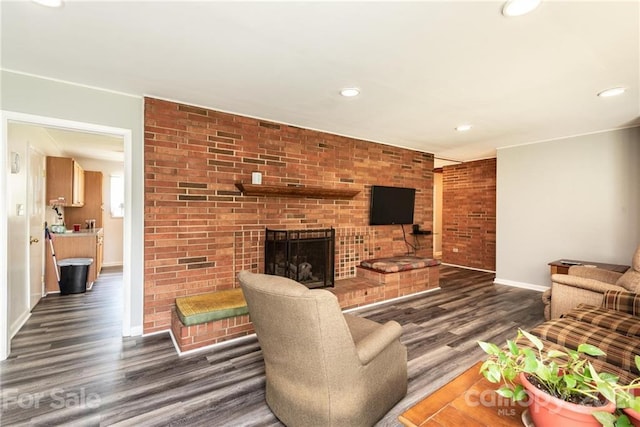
368	287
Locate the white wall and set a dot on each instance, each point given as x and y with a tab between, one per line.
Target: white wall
573	198
95	108
113	227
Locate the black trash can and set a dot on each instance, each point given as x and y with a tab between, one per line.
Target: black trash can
73	275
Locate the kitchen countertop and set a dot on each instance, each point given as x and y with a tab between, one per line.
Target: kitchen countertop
82	232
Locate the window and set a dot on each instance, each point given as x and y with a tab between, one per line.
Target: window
116	189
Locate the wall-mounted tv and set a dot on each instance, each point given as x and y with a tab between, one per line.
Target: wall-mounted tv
391	205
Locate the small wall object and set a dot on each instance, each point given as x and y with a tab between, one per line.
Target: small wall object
256	178
15	162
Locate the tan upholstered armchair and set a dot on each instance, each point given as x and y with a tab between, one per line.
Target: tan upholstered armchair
323	367
588	284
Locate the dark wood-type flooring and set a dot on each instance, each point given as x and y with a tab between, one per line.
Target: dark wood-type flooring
70	366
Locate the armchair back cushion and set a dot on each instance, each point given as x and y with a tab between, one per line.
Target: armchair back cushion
630	280
314	375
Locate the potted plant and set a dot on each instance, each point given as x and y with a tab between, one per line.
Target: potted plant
562	385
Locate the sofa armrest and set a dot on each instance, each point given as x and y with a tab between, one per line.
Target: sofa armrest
371	345
595	273
584	283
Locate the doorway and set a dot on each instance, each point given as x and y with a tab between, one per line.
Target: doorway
15	295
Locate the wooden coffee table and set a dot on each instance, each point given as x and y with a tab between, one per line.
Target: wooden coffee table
561	266
468	400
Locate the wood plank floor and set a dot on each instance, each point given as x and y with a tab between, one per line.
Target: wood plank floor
69	365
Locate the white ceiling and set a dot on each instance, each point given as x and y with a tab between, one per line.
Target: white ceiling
88	145
423	67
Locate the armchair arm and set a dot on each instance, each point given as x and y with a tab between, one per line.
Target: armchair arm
584	283
595	273
371	345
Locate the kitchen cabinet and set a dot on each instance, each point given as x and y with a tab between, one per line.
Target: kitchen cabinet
93	203
78	185
65	181
83	244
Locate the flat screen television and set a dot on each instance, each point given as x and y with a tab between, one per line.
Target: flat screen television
391	205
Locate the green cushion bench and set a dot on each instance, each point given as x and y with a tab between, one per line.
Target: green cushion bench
199	321
203	308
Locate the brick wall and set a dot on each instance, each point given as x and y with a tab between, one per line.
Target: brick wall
200	230
469	214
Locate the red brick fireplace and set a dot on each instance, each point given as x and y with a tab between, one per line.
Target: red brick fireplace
200	229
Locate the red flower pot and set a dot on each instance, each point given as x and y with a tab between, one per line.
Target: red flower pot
548	411
633	416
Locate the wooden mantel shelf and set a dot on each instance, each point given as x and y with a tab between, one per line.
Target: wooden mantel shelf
293	191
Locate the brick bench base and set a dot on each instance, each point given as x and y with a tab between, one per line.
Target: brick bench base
405	282
205	334
206	319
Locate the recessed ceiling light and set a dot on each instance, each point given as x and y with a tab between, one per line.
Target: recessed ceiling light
519	7
350	92
612	92
49	3
463	128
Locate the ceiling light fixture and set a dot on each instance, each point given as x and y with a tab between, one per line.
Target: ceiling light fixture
463	128
49	3
614	91
350	92
519	7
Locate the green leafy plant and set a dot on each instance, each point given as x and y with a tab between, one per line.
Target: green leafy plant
567	375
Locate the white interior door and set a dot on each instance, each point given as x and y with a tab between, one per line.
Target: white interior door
35	210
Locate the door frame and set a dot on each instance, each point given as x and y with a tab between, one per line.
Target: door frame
7	117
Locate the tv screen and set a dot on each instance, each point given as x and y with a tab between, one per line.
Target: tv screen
391	205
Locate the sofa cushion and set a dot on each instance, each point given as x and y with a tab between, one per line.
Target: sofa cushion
635	261
623	323
620	349
625	377
630	280
626	302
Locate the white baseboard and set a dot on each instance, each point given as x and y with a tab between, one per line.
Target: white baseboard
112	264
206	347
19	323
468	268
362	307
523	285
136	331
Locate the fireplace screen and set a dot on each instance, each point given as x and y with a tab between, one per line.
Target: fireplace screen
306	256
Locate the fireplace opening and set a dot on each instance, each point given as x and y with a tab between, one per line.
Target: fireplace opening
306	256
